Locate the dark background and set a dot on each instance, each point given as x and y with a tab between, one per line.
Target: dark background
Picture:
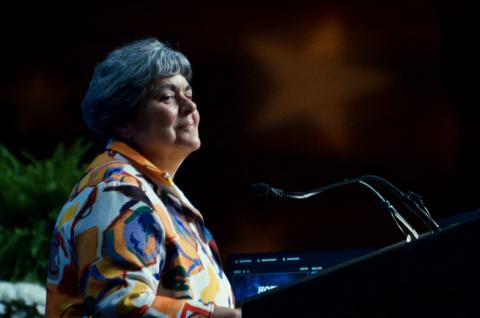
298	94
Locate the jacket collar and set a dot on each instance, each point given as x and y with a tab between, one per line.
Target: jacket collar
161	178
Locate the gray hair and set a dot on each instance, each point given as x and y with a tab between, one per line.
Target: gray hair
120	83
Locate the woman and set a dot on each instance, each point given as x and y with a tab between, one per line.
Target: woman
128	243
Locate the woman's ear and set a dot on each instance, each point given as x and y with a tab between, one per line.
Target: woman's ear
124	130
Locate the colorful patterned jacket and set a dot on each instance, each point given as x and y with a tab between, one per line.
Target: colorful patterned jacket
128	243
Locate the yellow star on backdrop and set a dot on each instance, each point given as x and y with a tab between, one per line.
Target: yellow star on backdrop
314	83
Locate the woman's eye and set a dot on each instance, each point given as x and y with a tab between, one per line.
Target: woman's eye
167	98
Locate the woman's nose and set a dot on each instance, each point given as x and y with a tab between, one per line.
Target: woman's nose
187	105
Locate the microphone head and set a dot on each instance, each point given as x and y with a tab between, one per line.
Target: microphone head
260	189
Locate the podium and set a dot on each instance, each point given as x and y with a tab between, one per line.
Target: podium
437	275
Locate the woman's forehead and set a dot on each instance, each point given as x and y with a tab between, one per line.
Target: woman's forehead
174	82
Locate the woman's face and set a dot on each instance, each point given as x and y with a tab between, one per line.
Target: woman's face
167	121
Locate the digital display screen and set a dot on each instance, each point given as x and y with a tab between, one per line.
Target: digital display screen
253	274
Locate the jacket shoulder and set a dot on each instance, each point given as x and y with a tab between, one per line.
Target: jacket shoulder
106	169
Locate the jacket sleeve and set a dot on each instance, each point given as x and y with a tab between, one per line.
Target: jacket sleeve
120	244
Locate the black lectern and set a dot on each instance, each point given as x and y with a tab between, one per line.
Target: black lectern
437	275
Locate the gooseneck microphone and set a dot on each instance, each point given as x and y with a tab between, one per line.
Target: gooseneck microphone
265	190
410	200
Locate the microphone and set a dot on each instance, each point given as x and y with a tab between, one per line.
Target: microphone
410	200
265	190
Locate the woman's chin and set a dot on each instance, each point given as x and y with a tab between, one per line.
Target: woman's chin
197	144
192	145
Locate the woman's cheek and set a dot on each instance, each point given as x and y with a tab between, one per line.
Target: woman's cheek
166	117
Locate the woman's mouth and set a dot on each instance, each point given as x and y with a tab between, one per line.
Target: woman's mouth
187	125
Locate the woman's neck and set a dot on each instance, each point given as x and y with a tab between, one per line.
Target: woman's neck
169	165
